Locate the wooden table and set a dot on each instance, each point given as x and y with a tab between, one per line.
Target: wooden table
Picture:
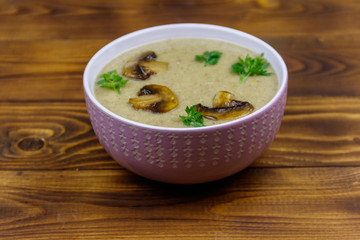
57	182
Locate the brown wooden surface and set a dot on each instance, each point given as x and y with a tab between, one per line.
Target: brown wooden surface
57	182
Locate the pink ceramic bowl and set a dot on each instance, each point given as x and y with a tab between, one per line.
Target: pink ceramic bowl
185	155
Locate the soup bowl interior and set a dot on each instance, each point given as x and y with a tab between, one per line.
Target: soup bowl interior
185	155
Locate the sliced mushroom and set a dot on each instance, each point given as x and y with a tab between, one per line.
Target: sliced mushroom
222	113
144	66
155	98
225	107
224	99
152	67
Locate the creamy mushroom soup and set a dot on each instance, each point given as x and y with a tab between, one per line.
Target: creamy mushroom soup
189	80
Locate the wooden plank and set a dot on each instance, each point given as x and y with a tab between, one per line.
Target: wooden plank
27	68
77	20
263	203
49	135
316	131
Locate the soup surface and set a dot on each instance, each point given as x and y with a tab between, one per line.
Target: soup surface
189	80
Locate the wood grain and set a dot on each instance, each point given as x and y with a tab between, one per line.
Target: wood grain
57	182
54	66
264	203
64	131
315	132
66	19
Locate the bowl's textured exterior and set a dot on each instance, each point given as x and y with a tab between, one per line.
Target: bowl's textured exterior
187	155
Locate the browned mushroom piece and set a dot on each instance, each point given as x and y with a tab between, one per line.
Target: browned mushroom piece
144	66
155	98
225	107
224	99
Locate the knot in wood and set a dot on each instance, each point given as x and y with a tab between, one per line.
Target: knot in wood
31	144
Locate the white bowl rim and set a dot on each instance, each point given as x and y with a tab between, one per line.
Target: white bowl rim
280	91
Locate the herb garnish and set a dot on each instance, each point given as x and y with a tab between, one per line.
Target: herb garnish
194	118
112	80
251	67
209	57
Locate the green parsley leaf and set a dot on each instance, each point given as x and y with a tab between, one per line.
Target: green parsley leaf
251	67
112	80
209	57
193	118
